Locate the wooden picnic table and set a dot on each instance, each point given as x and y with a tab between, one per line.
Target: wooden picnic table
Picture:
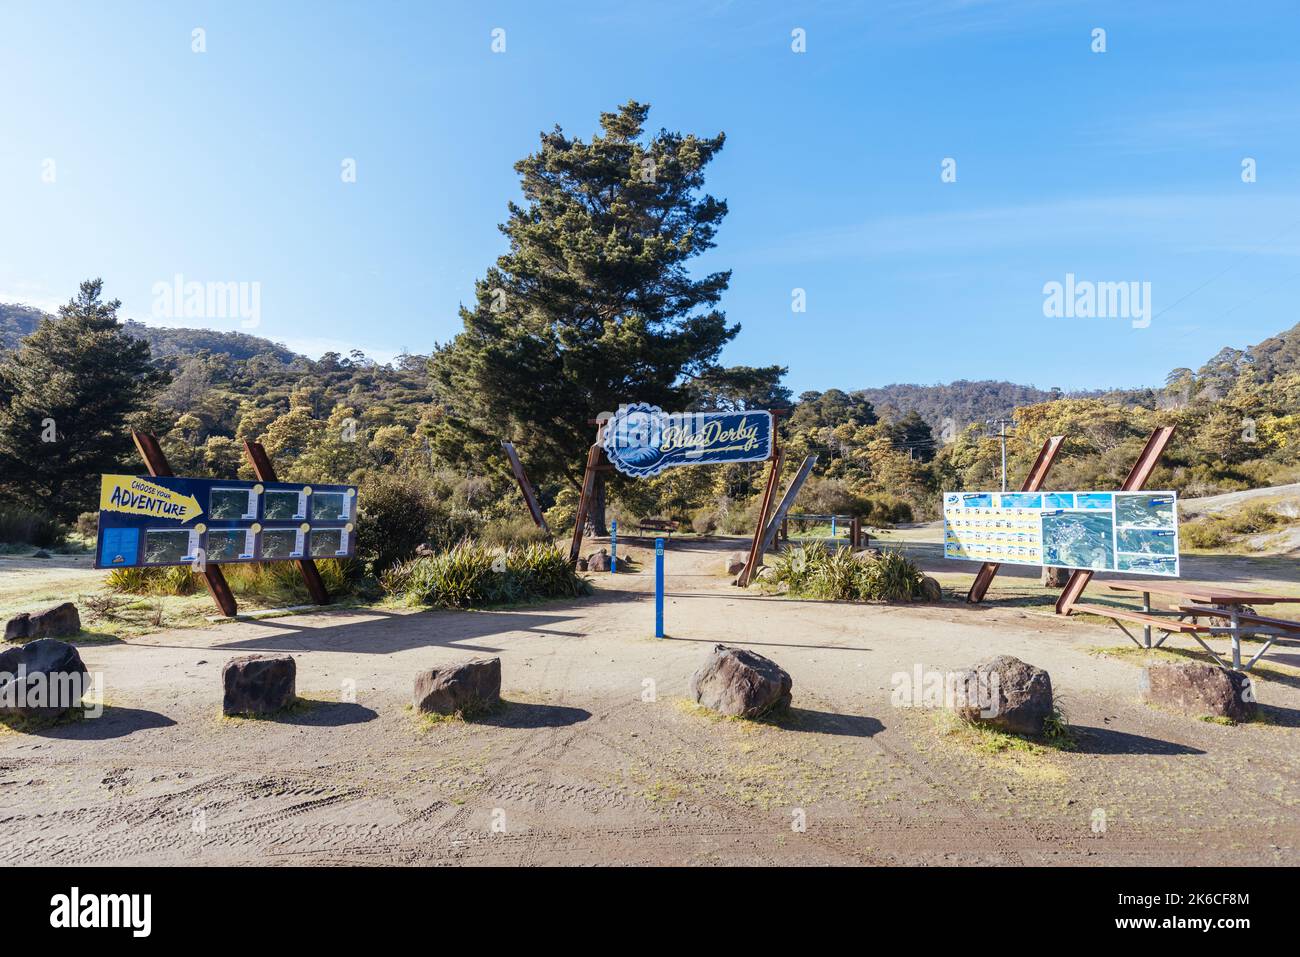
1197	600
1201	593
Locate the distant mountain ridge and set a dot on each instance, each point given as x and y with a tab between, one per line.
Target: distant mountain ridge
964	401
17	321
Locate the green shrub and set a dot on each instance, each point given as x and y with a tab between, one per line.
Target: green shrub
1222	529
277	583
562	514
170	580
88	525
704	521
472	573
25	526
1203	534
511	532
1252	519
889	510
891	577
397	514
815	571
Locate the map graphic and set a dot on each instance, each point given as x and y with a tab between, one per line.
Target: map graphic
1078	539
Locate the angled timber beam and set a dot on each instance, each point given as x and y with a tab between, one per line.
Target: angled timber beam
156	462
1034	482
1137	477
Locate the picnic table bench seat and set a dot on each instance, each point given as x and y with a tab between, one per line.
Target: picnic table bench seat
1163	623
1245	618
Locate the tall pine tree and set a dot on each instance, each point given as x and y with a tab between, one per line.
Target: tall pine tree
592	306
67	397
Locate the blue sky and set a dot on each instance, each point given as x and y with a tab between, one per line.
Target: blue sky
1123	166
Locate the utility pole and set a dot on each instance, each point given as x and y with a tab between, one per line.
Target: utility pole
1003	436
1002	439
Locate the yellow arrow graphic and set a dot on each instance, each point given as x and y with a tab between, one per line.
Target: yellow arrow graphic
137	496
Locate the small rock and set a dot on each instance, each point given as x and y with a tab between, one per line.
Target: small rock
468	688
598	562
1199	689
1005	693
739	682
53	679
930	589
867	554
40	553
258	684
61	621
582	565
735	563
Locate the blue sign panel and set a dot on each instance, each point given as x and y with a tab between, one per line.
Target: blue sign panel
644	440
170	520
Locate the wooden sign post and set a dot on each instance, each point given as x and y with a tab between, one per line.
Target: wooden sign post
1137	477
156	462
525	487
265	472
1034	482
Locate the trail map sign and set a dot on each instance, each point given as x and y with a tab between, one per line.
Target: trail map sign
1131	532
643	440
169	520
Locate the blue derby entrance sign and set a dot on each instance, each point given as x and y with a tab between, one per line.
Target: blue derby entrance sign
642	440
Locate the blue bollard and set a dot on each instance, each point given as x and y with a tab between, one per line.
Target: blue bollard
613	547
659	587
832	528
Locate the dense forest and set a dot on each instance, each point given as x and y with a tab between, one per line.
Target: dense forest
592	305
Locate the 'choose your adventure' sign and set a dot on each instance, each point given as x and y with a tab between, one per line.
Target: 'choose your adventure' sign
644	440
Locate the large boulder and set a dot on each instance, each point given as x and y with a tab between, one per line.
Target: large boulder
61	621
1004	693
598	562
41	679
735	563
258	684
742	683
1199	689
931	590
465	689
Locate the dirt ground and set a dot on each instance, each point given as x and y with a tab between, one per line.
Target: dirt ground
598	758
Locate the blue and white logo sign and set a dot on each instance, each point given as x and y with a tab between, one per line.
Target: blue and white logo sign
644	440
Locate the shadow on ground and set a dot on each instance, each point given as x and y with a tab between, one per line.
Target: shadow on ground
327	714
380	632
114	722
1091	740
826	722
523	714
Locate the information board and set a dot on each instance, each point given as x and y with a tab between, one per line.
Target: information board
1131	532
166	520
